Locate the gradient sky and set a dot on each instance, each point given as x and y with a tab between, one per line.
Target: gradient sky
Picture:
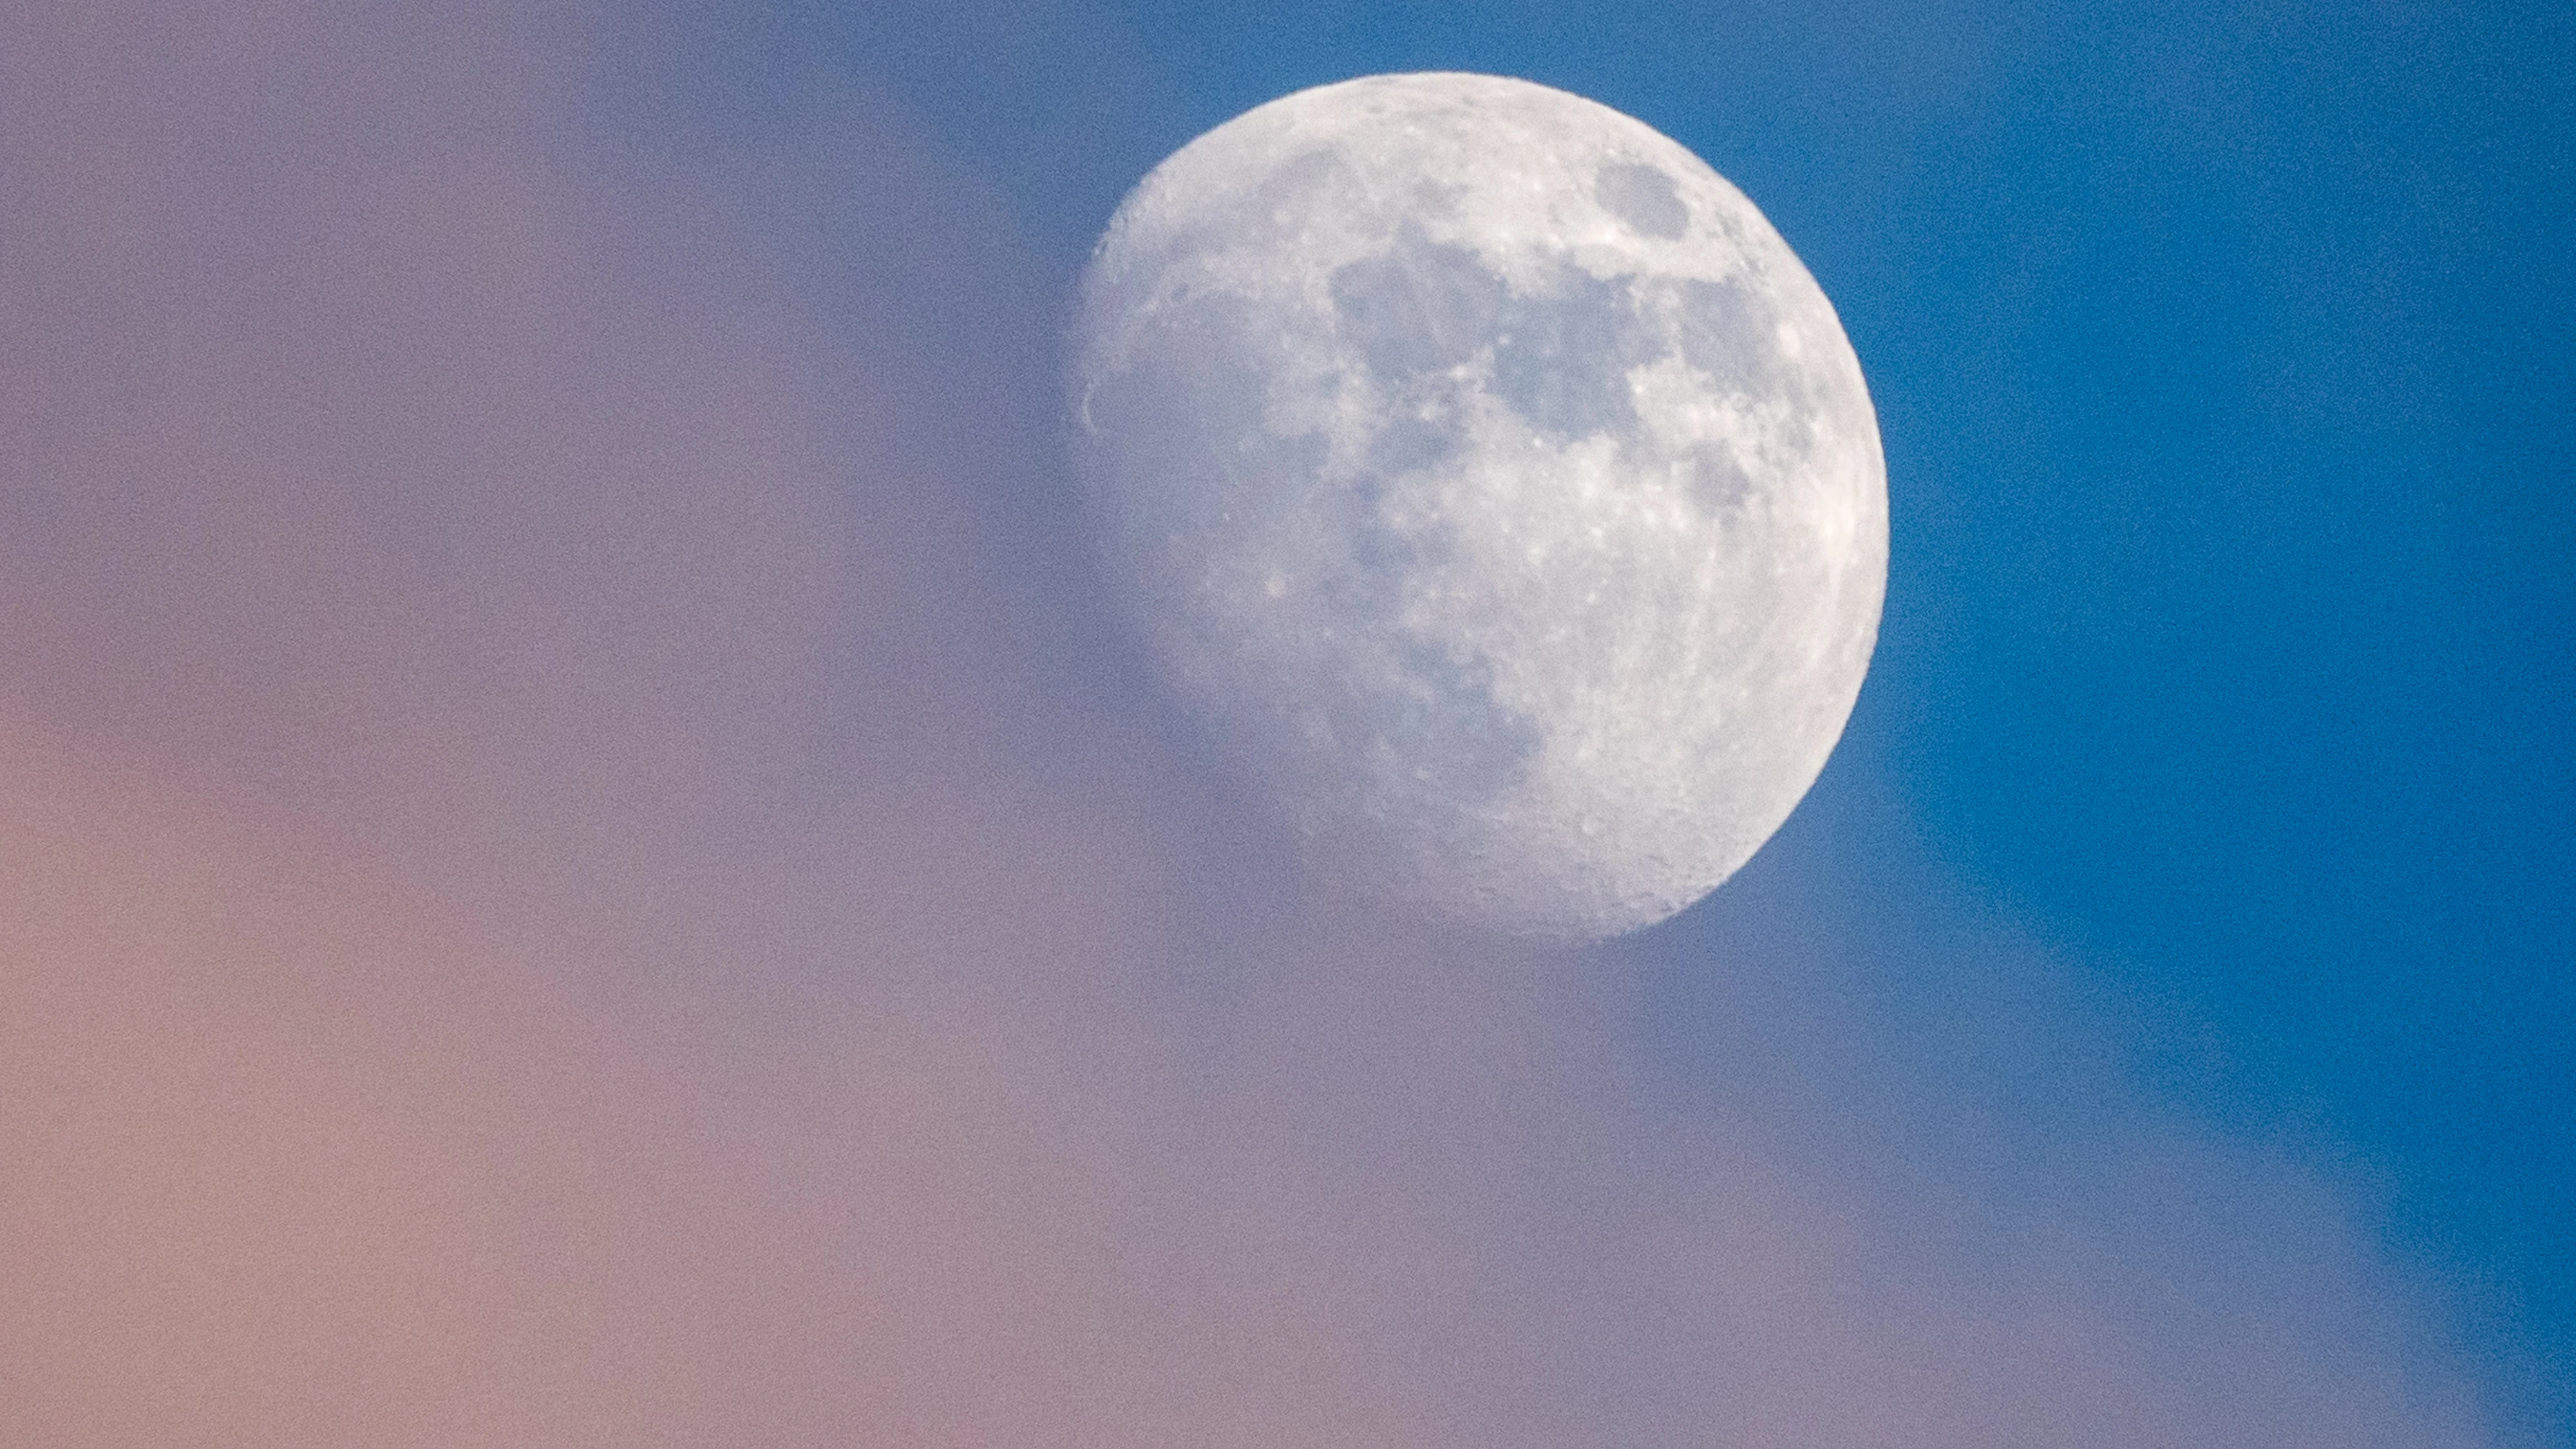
582	862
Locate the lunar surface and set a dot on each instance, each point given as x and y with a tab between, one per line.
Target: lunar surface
1496	486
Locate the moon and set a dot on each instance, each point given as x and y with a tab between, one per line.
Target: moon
1496	487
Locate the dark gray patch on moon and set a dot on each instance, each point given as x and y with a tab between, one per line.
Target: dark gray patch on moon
1290	191
1733	337
1643	197
1732	333
1419	435
1421	307
1717	482
1562	361
1380	557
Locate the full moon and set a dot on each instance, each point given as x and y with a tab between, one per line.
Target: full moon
1494	484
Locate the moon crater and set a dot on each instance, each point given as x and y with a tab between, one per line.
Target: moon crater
1495	484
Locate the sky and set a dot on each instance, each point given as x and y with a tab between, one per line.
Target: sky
583	859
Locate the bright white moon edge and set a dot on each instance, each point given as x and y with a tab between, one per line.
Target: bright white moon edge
1496	486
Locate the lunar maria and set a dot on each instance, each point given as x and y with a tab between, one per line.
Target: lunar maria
1495	486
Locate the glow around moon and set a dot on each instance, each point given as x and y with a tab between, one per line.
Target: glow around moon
1494	483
